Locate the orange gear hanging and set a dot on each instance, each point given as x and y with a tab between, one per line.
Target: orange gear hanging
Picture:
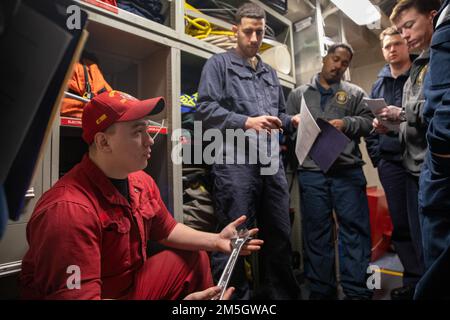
87	81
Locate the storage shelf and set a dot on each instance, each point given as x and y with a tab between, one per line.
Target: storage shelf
223	24
76	123
70	122
127	17
217	22
120	43
128	23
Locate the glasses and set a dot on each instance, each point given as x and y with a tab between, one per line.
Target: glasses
156	124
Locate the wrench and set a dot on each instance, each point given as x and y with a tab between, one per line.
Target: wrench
237	243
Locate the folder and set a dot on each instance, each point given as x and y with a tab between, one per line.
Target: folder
328	145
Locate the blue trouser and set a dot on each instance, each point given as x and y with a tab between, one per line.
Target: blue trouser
434	200
345	192
434	196
393	177
264	199
436	280
434	208
412	198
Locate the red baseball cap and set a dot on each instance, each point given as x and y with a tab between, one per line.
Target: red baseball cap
110	107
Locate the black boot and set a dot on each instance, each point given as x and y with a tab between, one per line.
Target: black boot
403	293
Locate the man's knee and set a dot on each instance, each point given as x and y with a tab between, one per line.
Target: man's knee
200	277
203	261
196	261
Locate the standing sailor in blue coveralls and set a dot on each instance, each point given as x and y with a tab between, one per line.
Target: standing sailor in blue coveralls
238	91
434	185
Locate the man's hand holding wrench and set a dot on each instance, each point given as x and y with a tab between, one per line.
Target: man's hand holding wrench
238	243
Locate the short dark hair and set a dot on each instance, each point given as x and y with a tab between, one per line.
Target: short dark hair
249	10
422	6
335	46
389	31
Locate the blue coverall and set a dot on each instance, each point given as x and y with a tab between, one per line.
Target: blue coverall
230	91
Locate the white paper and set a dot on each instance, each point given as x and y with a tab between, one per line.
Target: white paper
307	132
375	105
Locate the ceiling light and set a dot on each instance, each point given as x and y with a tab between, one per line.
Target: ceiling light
362	12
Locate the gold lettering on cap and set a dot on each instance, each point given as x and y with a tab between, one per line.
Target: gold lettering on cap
101	118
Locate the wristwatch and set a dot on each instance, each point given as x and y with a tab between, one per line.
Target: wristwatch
402	115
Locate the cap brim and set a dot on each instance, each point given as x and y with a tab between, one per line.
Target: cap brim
144	108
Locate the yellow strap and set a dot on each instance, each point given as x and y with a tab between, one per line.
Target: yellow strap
201	28
392	273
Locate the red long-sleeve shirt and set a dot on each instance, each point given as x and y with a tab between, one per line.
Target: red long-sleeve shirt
84	221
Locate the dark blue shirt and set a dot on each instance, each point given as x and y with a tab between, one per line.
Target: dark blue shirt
386	146
230	91
325	94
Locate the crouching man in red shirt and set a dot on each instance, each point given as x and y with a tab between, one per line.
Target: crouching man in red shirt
88	234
